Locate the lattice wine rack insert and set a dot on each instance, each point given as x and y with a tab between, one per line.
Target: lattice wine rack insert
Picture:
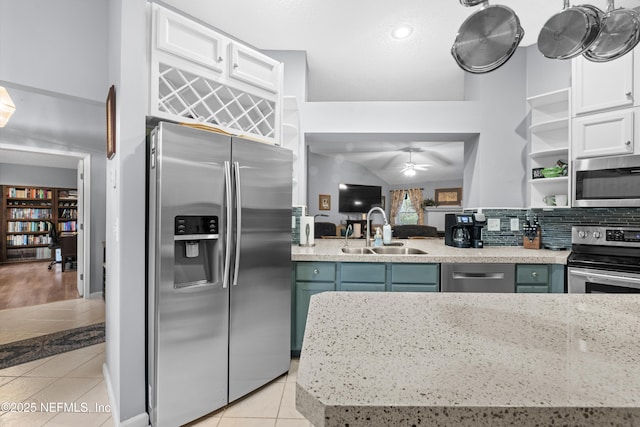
188	95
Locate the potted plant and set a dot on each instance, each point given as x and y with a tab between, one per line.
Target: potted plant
428	203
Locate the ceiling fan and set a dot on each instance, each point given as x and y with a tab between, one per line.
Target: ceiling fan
411	168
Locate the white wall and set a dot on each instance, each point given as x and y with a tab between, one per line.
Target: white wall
11	174
544	74
57	45
125	315
326	173
501	157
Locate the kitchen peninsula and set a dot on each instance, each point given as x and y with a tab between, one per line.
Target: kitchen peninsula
441	359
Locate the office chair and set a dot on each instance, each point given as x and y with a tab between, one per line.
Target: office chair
54	244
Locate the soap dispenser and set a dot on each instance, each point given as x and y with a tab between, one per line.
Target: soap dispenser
377	238
386	234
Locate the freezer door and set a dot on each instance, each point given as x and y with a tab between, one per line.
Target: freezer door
188	306
260	317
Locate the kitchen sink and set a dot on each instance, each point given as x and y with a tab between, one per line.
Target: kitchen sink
395	250
357	251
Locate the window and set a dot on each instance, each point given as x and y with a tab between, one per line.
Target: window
407	213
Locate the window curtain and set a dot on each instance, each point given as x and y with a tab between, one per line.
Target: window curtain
415	195
396	200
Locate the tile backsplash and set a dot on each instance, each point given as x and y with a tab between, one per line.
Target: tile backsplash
555	223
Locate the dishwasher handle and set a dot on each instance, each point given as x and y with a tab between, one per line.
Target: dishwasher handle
463	275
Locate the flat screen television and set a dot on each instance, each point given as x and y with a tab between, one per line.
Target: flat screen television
357	198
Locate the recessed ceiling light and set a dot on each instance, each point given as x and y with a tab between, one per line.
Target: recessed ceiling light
401	32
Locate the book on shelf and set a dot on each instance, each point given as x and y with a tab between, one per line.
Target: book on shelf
28	240
31	226
29	193
29	213
67	226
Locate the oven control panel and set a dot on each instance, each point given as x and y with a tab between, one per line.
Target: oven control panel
605	235
623	235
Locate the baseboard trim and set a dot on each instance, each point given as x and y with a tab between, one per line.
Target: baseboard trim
140	420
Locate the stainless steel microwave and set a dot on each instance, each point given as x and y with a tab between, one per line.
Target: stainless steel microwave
607	182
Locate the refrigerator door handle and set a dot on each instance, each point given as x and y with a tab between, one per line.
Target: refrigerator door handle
227	253
236	167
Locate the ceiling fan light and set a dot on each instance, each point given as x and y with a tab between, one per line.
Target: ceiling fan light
410	172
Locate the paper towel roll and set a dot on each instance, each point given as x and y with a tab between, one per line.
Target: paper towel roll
357	230
306	229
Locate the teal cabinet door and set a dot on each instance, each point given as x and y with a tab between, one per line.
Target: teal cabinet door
304	291
362	287
415	277
362	272
540	278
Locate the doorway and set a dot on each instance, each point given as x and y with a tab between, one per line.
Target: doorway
66	281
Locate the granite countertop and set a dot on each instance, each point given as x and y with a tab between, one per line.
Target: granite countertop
437	252
444	359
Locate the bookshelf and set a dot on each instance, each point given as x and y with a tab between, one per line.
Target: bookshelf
26	217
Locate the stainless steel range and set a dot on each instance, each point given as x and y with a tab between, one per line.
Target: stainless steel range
604	259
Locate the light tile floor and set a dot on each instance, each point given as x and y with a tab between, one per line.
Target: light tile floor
68	389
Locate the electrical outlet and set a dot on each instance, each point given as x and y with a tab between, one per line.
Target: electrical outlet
515	224
493	224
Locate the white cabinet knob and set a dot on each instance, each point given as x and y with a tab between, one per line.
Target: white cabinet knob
235	66
628	143
534	274
629	95
316	271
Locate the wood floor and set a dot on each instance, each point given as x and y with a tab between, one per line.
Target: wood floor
27	284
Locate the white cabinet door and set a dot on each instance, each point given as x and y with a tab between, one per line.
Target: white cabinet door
603	134
254	68
600	86
187	39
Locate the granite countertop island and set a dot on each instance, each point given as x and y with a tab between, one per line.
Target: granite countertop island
437	252
461	359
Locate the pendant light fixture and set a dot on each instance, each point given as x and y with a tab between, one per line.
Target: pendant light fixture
7	107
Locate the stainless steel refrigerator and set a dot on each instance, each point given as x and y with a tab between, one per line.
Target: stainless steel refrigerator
219	270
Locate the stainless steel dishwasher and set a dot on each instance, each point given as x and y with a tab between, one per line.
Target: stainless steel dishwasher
478	277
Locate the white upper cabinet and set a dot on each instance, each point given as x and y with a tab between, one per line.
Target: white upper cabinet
603	86
604	134
252	67
200	76
182	37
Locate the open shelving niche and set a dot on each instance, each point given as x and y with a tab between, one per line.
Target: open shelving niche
550	137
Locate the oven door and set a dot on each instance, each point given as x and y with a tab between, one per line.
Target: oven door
607	181
592	281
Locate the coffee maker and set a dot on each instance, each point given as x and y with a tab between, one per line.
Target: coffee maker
457	230
479	221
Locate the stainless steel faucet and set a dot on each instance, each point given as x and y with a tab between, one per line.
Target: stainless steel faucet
384	215
346	235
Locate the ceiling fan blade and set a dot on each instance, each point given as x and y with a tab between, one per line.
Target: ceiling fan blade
421	167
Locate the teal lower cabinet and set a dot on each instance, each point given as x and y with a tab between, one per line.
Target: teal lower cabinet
540	278
310	278
362	277
415	277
